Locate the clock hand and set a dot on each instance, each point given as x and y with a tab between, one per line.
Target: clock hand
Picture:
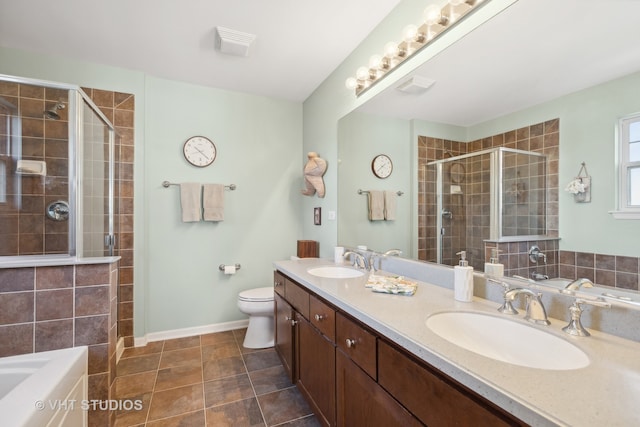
201	152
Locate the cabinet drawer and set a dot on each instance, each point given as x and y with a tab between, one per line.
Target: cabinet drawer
297	297
357	343
430	398
278	283
323	317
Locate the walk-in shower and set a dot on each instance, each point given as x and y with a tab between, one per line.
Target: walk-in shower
498	194
56	171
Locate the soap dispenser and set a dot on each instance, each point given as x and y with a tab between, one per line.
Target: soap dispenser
463	279
493	268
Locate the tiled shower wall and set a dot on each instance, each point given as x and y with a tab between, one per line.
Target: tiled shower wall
540	138
49	308
28	232
119	109
24	229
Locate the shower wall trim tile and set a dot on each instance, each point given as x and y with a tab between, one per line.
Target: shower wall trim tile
53	307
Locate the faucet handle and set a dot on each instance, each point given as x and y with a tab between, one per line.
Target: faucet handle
507	306
495	281
575	327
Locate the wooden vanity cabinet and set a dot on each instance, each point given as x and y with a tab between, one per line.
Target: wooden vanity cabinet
362	402
317	372
311	357
432	398
284	334
351	376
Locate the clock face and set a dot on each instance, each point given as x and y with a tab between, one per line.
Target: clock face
199	151
382	166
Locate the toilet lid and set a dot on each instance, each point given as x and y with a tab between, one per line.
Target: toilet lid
257	294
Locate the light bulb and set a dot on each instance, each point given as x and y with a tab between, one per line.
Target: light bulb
390	49
409	33
375	62
351	83
432	15
362	73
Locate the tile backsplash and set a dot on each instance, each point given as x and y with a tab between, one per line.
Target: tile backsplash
607	270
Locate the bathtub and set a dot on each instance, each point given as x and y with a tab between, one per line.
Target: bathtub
46	388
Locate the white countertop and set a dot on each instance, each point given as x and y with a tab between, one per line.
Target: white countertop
606	392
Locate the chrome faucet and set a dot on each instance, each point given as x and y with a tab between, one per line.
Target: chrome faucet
576	285
535	254
377	258
394	252
575	327
506	307
539	276
360	260
535	309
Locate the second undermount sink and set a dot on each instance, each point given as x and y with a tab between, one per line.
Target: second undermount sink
334	272
507	341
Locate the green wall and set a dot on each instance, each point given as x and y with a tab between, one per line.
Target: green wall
177	281
360	138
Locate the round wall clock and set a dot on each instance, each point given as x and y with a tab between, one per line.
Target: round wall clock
382	166
199	151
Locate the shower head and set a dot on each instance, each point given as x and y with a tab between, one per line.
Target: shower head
52	113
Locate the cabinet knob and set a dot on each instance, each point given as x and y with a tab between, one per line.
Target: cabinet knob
276	284
350	343
319	317
291	320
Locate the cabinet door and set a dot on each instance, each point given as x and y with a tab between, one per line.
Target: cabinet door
433	399
357	343
362	402
284	340
317	371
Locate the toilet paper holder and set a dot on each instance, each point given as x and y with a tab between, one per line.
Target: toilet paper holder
221	267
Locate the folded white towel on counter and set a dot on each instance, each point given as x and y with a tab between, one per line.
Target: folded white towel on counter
213	202
390	204
376	205
190	201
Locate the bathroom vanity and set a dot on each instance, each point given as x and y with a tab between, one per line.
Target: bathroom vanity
365	358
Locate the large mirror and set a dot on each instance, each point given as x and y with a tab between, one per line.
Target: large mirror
572	65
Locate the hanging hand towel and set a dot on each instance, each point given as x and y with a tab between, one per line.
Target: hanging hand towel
376	205
190	196
213	202
390	203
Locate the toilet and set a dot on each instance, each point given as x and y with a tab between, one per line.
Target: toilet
258	304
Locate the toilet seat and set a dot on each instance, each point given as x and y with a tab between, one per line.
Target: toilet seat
257	294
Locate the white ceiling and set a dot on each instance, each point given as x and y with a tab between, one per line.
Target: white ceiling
535	51
298	42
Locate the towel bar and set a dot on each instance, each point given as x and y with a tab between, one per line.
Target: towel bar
166	184
399	193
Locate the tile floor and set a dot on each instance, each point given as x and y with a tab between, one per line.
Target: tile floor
208	380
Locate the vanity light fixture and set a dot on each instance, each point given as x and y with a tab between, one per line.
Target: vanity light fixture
436	19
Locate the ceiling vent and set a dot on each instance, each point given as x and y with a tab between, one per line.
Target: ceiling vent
234	42
416	84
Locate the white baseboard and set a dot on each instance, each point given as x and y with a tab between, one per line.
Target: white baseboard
189	332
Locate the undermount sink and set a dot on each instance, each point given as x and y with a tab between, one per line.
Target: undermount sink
507	341
332	272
